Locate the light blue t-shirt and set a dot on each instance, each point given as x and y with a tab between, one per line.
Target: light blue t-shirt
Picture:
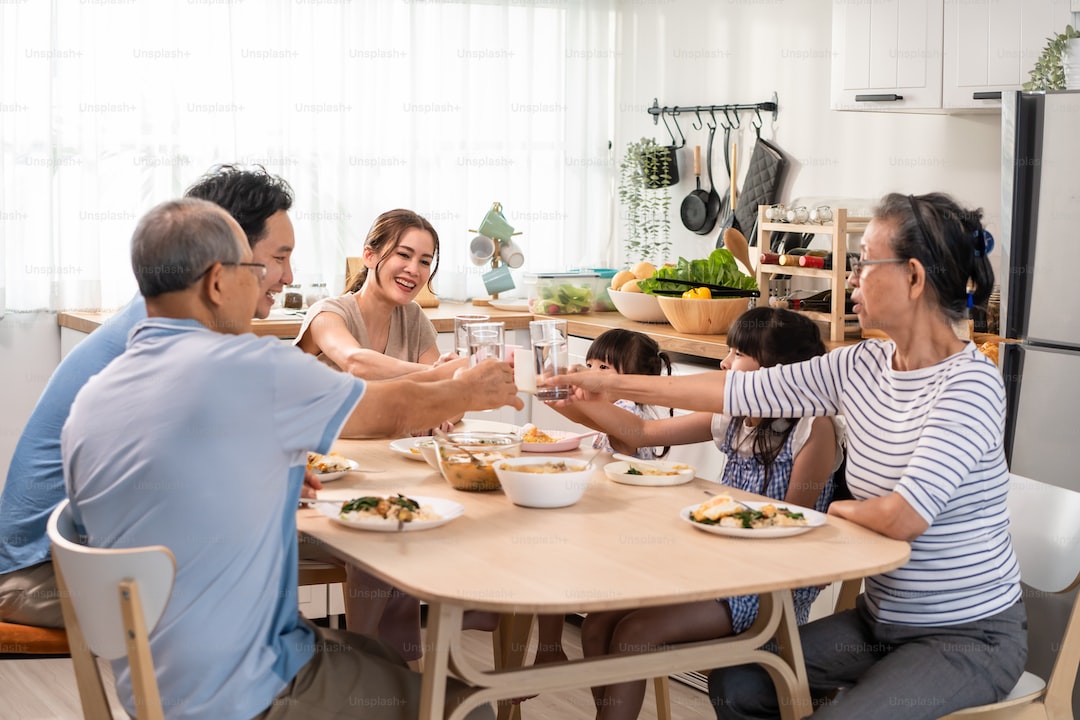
197	441
35	479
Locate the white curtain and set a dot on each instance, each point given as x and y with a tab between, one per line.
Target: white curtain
108	107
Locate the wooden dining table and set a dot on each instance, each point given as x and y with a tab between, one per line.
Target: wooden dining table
620	546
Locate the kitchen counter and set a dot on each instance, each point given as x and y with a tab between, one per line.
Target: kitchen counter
588	325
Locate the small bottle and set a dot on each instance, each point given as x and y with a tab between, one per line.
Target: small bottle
294	299
316	293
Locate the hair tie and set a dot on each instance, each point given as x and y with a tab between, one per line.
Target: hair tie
984	242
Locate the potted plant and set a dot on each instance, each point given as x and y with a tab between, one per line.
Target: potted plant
644	176
1049	70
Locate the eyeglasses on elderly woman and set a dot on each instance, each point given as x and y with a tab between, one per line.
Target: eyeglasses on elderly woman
857	264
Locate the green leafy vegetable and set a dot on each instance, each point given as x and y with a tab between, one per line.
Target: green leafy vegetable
719	268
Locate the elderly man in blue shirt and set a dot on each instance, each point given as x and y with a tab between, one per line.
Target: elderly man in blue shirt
197	404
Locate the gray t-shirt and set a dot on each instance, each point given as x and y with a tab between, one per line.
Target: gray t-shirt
411	333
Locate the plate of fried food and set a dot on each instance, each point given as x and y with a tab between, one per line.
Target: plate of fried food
533	439
392	513
649	472
722	515
330	466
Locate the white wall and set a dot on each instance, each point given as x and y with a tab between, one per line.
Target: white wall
29	352
712	52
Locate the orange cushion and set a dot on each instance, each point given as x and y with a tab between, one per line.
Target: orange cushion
30	640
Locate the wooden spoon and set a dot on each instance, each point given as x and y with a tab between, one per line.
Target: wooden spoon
737	245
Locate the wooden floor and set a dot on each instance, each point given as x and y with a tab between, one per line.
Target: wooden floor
44	689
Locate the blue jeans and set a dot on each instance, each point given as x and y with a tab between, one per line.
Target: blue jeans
888	671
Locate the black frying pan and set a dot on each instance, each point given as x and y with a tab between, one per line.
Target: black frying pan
713	203
695	205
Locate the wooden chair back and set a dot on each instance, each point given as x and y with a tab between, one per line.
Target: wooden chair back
111	599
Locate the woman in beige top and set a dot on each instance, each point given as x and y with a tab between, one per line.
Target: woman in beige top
375	330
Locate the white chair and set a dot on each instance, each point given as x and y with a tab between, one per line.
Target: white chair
111	599
1045	535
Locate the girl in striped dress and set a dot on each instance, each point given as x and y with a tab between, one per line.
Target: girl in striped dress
788	460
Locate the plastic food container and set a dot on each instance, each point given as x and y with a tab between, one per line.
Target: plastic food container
569	293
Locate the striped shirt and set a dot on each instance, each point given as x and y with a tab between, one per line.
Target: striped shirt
934	435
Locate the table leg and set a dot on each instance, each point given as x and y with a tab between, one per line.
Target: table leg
511	641
793	686
444	623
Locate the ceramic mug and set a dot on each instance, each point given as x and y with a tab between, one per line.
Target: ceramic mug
481	249
494	225
511	254
498	280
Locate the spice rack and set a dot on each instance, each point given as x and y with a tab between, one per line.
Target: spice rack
840	228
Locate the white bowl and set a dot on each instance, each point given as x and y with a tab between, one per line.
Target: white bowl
557	488
641	307
429	451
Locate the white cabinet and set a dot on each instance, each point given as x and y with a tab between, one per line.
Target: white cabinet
886	55
992	45
921	55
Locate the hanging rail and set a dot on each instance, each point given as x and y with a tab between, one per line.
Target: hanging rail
772	106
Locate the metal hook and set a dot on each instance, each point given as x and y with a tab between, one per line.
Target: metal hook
713	115
663	116
733	125
682	138
698	125
756	122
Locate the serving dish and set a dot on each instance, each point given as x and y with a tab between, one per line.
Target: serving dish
417	448
447	509
640	307
565	440
813	519
618	472
336	465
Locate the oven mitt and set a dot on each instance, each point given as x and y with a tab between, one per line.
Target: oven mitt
760	187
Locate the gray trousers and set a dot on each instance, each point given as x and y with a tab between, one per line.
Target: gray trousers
888	671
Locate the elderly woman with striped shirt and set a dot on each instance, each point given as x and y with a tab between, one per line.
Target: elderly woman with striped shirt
925	414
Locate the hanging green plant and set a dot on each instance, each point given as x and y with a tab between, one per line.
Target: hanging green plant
644	176
1049	71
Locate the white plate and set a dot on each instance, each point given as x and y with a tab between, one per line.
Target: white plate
813	518
617	472
571	442
511	304
405	446
448	509
331	476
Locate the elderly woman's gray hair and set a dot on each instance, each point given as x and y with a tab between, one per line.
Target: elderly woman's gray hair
950	242
177	242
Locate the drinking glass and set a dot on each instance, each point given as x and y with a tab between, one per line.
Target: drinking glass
485	341
551	356
461	340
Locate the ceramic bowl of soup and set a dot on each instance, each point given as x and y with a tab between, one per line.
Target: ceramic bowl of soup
543	482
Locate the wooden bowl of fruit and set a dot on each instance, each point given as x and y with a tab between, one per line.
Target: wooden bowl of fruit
697	316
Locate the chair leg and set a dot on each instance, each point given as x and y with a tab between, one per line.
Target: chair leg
662	687
87	675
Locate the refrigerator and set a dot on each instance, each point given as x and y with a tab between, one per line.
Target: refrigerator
1039	277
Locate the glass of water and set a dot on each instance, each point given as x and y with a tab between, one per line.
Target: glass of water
551	356
485	340
461	340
